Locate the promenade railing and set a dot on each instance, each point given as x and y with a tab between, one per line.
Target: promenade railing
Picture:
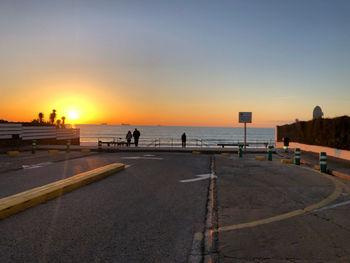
114	141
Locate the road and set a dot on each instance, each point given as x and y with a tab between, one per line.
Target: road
262	216
141	214
154	210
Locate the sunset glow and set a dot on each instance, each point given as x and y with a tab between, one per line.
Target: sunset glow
73	115
110	67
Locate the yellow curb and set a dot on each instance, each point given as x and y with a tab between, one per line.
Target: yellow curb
18	202
13	153
53	151
341	175
85	150
303	161
260	158
196	152
225	154
287	161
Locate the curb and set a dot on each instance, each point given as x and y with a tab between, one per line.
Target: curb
341	175
18	202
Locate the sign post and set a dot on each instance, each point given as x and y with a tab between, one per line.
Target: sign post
245	117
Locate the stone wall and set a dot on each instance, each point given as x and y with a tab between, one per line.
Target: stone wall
334	133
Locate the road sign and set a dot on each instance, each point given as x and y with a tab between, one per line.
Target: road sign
245	117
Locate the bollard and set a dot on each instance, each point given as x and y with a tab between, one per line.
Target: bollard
33	146
297	156
269	154
68	146
100	146
323	162
240	151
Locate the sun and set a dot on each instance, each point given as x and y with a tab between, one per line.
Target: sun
73	115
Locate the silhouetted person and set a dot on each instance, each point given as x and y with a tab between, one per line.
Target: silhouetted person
128	138
286	141
183	139
136	135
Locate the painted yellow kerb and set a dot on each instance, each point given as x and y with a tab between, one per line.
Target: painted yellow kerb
18	202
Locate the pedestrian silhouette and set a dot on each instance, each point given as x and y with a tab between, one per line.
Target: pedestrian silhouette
183	139
128	138
136	135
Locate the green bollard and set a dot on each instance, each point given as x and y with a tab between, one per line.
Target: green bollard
33	146
240	151
68	146
269	153
323	162
297	156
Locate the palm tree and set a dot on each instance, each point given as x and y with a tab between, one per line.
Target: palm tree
53	116
41	117
63	120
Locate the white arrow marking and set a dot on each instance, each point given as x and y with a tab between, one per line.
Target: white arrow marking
201	177
38	165
144	158
149	155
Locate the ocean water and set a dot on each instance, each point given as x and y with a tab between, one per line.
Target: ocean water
165	136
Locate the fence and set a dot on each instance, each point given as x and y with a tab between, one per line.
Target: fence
14	134
171	142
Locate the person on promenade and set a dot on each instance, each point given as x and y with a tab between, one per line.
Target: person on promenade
183	139
286	141
136	135
128	138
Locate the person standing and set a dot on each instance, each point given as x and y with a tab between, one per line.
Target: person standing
128	138
136	135
183	139
286	141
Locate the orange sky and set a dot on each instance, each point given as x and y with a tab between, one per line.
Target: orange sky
145	64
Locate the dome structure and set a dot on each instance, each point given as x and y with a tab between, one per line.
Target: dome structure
317	112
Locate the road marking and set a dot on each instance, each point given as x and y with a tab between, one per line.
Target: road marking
329	207
201	177
127	166
338	189
38	165
149	155
141	158
18	202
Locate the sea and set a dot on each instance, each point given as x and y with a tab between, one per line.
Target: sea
170	136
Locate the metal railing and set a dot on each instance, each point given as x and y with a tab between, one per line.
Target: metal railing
171	142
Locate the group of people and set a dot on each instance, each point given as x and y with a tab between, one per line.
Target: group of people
136	134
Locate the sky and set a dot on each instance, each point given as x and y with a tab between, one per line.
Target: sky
182	63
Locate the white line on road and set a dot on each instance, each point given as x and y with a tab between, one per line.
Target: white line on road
329	207
141	158
201	177
33	166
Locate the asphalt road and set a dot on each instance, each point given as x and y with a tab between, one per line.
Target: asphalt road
141	214
250	191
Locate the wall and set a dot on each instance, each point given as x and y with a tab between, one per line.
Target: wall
332	133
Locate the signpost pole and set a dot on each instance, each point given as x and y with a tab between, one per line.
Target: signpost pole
245	136
245	117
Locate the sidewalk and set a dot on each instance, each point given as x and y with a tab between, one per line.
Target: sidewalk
311	159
